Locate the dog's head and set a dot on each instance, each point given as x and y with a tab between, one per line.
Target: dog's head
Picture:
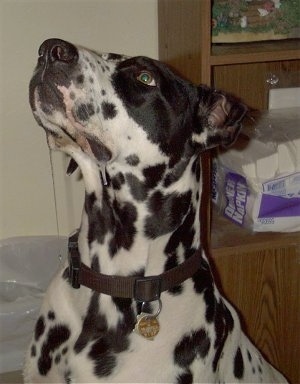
107	107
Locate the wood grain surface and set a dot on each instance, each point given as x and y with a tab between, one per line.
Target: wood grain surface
261	277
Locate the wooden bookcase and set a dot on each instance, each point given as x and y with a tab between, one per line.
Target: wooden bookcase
243	68
259	273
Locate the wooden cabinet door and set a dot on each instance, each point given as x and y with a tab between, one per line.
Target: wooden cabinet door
251	82
264	285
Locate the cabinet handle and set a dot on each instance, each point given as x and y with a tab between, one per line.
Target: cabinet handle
272	79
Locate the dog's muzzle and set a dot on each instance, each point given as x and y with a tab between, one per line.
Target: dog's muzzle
57	59
56	95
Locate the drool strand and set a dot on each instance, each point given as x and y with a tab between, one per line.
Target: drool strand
55	201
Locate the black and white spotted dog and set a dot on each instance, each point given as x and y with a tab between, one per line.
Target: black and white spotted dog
135	129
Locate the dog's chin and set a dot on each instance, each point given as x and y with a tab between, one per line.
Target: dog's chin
96	151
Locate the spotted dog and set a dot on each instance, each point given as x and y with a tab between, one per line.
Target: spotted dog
136	130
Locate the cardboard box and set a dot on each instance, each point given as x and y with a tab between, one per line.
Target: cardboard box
256	184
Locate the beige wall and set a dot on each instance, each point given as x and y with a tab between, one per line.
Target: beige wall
26	193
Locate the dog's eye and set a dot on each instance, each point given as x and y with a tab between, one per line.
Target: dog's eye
146	78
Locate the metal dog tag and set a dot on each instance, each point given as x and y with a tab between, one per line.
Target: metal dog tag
147	325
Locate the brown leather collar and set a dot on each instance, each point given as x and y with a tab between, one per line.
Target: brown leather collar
141	289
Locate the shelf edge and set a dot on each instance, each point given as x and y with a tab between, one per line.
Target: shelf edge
254	57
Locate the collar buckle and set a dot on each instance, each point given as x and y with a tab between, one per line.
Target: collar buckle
147	288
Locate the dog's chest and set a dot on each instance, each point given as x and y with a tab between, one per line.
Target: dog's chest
119	354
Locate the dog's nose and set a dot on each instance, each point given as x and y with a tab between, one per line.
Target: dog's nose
56	50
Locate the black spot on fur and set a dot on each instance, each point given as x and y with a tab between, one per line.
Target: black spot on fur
195	344
238	367
64	350
94	325
118	180
57	335
84	111
176	172
184	235
132	160
67	377
216	312
249	356
33	351
80	79
196	169
90	200
39	328
104	360
210	301
119	337
228	318
57	358
118	219
223	326
153	175
137	187
185	378
124	228
109	110
51	315
167	212
203	278
124	306
44	364
105	342
102	220
95	265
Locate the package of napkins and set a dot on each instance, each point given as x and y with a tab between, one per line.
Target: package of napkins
256	183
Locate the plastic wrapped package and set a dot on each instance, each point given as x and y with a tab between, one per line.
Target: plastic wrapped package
256	184
27	265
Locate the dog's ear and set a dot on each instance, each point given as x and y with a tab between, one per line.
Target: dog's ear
219	118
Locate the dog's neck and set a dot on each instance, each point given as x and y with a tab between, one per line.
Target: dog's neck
131	227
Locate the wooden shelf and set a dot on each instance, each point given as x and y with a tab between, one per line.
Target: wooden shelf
267	51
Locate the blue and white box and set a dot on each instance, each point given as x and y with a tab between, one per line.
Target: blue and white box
256	184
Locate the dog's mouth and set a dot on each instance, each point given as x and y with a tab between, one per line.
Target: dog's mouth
65	131
58	103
